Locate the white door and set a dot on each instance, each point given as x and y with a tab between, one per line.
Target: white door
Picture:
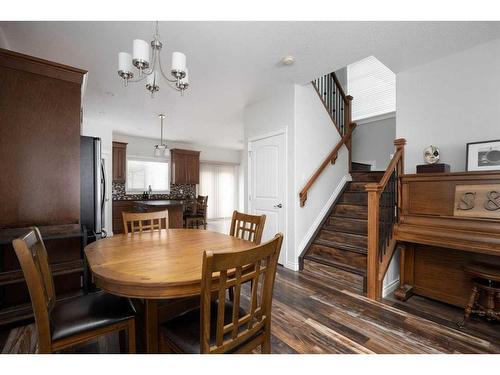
267	185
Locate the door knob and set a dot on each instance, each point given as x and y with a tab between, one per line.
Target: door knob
278	206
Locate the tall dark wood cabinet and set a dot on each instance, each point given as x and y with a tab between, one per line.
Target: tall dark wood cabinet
119	161
185	166
40	117
40	104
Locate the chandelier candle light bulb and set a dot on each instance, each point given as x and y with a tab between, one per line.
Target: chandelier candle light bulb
178	64
141	54
125	66
152	83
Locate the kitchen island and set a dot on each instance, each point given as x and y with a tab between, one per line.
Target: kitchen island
174	207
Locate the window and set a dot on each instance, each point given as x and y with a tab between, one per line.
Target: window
373	86
219	182
141	174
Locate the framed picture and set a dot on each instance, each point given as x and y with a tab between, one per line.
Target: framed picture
483	156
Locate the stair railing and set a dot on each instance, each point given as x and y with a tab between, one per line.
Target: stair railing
336	102
339	108
384	207
330	159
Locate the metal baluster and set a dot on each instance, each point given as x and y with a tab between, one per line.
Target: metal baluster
329	95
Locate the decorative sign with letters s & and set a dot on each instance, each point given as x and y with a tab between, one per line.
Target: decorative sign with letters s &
477	201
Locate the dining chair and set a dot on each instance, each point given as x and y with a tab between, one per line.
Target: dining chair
220	325
63	324
146	221
247	227
199	215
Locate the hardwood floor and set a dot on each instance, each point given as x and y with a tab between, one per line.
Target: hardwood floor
315	311
313	314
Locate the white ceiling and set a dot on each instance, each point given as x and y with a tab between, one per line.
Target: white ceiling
230	64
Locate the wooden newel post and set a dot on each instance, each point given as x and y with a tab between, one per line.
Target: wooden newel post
373	284
348	110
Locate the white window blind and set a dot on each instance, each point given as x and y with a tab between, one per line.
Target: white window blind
141	174
373	87
220	183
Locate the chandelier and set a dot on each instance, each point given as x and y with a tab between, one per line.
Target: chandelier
161	150
148	61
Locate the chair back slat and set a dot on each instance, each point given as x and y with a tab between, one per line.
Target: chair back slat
201	205
247	227
32	255
236	301
224	270
221	307
146	221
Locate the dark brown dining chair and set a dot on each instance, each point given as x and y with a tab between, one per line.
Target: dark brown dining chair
198	216
220	325
73	321
146	221
247	227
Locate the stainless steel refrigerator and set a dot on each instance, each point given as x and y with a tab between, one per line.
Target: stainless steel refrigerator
93	187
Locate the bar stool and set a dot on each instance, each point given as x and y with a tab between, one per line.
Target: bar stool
485	279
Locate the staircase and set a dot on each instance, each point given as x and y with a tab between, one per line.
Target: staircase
341	240
345	246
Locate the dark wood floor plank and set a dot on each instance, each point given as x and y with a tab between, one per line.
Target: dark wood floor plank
322	312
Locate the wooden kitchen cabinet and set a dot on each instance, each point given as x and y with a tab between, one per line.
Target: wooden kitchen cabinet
119	161
118	208
185	166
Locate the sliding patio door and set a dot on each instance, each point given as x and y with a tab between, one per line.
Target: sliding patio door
220	183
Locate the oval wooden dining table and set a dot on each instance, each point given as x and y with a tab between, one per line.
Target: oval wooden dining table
155	265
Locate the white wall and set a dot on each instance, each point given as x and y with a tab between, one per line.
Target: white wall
449	102
270	114
315	137
373	142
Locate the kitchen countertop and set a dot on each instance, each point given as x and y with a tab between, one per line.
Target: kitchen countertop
164	202
151	200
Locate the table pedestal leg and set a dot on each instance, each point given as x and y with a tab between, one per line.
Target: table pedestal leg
151	325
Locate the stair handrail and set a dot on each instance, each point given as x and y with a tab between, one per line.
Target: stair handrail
330	159
381	244
337	104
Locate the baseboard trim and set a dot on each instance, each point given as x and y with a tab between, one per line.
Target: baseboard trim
321	216
294	266
391	287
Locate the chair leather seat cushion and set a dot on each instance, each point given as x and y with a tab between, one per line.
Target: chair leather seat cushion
184	330
89	312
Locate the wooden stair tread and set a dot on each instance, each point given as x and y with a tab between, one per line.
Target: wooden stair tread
357	186
344	238
347	225
351	210
354	197
341	246
356	167
342	266
361	176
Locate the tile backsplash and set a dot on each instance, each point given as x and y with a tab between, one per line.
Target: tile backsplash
177	191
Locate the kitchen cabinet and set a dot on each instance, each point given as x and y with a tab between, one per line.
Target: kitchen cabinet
119	161
118	208
40	104
40	109
185	167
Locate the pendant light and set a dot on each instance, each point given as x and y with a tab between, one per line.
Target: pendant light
161	150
